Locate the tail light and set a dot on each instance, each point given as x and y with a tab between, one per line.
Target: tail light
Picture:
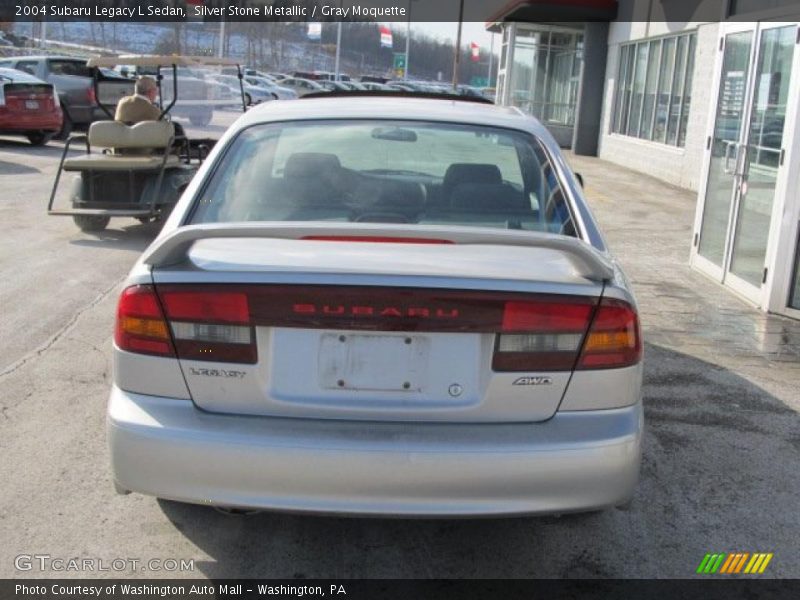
534	332
557	336
91	96
542	335
614	340
211	325
193	325
141	326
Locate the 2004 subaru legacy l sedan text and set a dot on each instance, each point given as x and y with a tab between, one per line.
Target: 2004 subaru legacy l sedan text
379	305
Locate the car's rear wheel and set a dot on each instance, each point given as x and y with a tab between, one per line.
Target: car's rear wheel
39	138
91	222
66	127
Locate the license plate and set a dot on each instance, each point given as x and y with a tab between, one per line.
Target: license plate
373	362
31	104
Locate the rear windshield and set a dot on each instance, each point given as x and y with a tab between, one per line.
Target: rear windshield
386	172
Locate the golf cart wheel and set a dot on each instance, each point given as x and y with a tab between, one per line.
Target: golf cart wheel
39	138
91	222
201	118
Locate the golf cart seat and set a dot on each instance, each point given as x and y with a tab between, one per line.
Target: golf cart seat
140	147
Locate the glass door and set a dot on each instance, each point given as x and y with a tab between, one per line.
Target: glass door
722	182
763	154
746	151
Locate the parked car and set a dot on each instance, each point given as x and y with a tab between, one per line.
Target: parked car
253	94
278	92
375	307
301	86
376	87
335	86
28	107
73	83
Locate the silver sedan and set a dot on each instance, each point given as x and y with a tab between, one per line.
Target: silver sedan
384	306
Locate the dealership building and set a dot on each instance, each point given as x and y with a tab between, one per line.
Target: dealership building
703	94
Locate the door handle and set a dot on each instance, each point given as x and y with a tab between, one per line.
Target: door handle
726	164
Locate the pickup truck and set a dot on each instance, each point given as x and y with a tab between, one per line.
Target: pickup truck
74	86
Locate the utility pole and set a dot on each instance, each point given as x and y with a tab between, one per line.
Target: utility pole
491	61
408	38
338	46
457	55
221	48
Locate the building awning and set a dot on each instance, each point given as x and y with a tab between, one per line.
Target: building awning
553	11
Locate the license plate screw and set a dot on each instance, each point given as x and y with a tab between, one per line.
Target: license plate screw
408	340
340	383
406	385
342	338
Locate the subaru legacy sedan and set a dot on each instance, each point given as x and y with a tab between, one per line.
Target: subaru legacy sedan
379	306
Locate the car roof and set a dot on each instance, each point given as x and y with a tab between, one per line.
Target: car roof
402	108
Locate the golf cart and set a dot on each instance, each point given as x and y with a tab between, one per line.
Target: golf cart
140	170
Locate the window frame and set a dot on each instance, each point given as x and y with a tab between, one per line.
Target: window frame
628	122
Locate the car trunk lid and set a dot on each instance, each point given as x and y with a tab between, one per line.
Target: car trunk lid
365	329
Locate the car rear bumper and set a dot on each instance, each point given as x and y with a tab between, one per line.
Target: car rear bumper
575	461
17	122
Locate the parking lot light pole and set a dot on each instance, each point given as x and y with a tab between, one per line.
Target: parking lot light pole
338	51
336	76
457	55
408	38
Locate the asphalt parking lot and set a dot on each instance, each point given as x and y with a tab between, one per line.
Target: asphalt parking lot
722	449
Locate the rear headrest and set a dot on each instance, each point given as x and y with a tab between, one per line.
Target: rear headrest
459	173
487	197
310	164
147	134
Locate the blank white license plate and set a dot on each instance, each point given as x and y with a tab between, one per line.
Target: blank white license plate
376	362
31	104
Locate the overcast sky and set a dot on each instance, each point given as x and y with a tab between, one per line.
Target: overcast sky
471	32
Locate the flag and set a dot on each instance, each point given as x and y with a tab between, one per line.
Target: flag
314	31
475	52
386	37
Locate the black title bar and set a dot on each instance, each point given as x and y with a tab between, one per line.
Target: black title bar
398	11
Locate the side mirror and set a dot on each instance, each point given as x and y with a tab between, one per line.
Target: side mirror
579	177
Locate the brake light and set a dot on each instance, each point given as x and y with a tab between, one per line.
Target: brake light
375	239
614	339
542	335
212	324
193	325
90	95
141	326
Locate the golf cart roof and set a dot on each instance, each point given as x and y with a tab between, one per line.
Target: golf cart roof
143	60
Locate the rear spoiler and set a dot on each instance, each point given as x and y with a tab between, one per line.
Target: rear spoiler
173	248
